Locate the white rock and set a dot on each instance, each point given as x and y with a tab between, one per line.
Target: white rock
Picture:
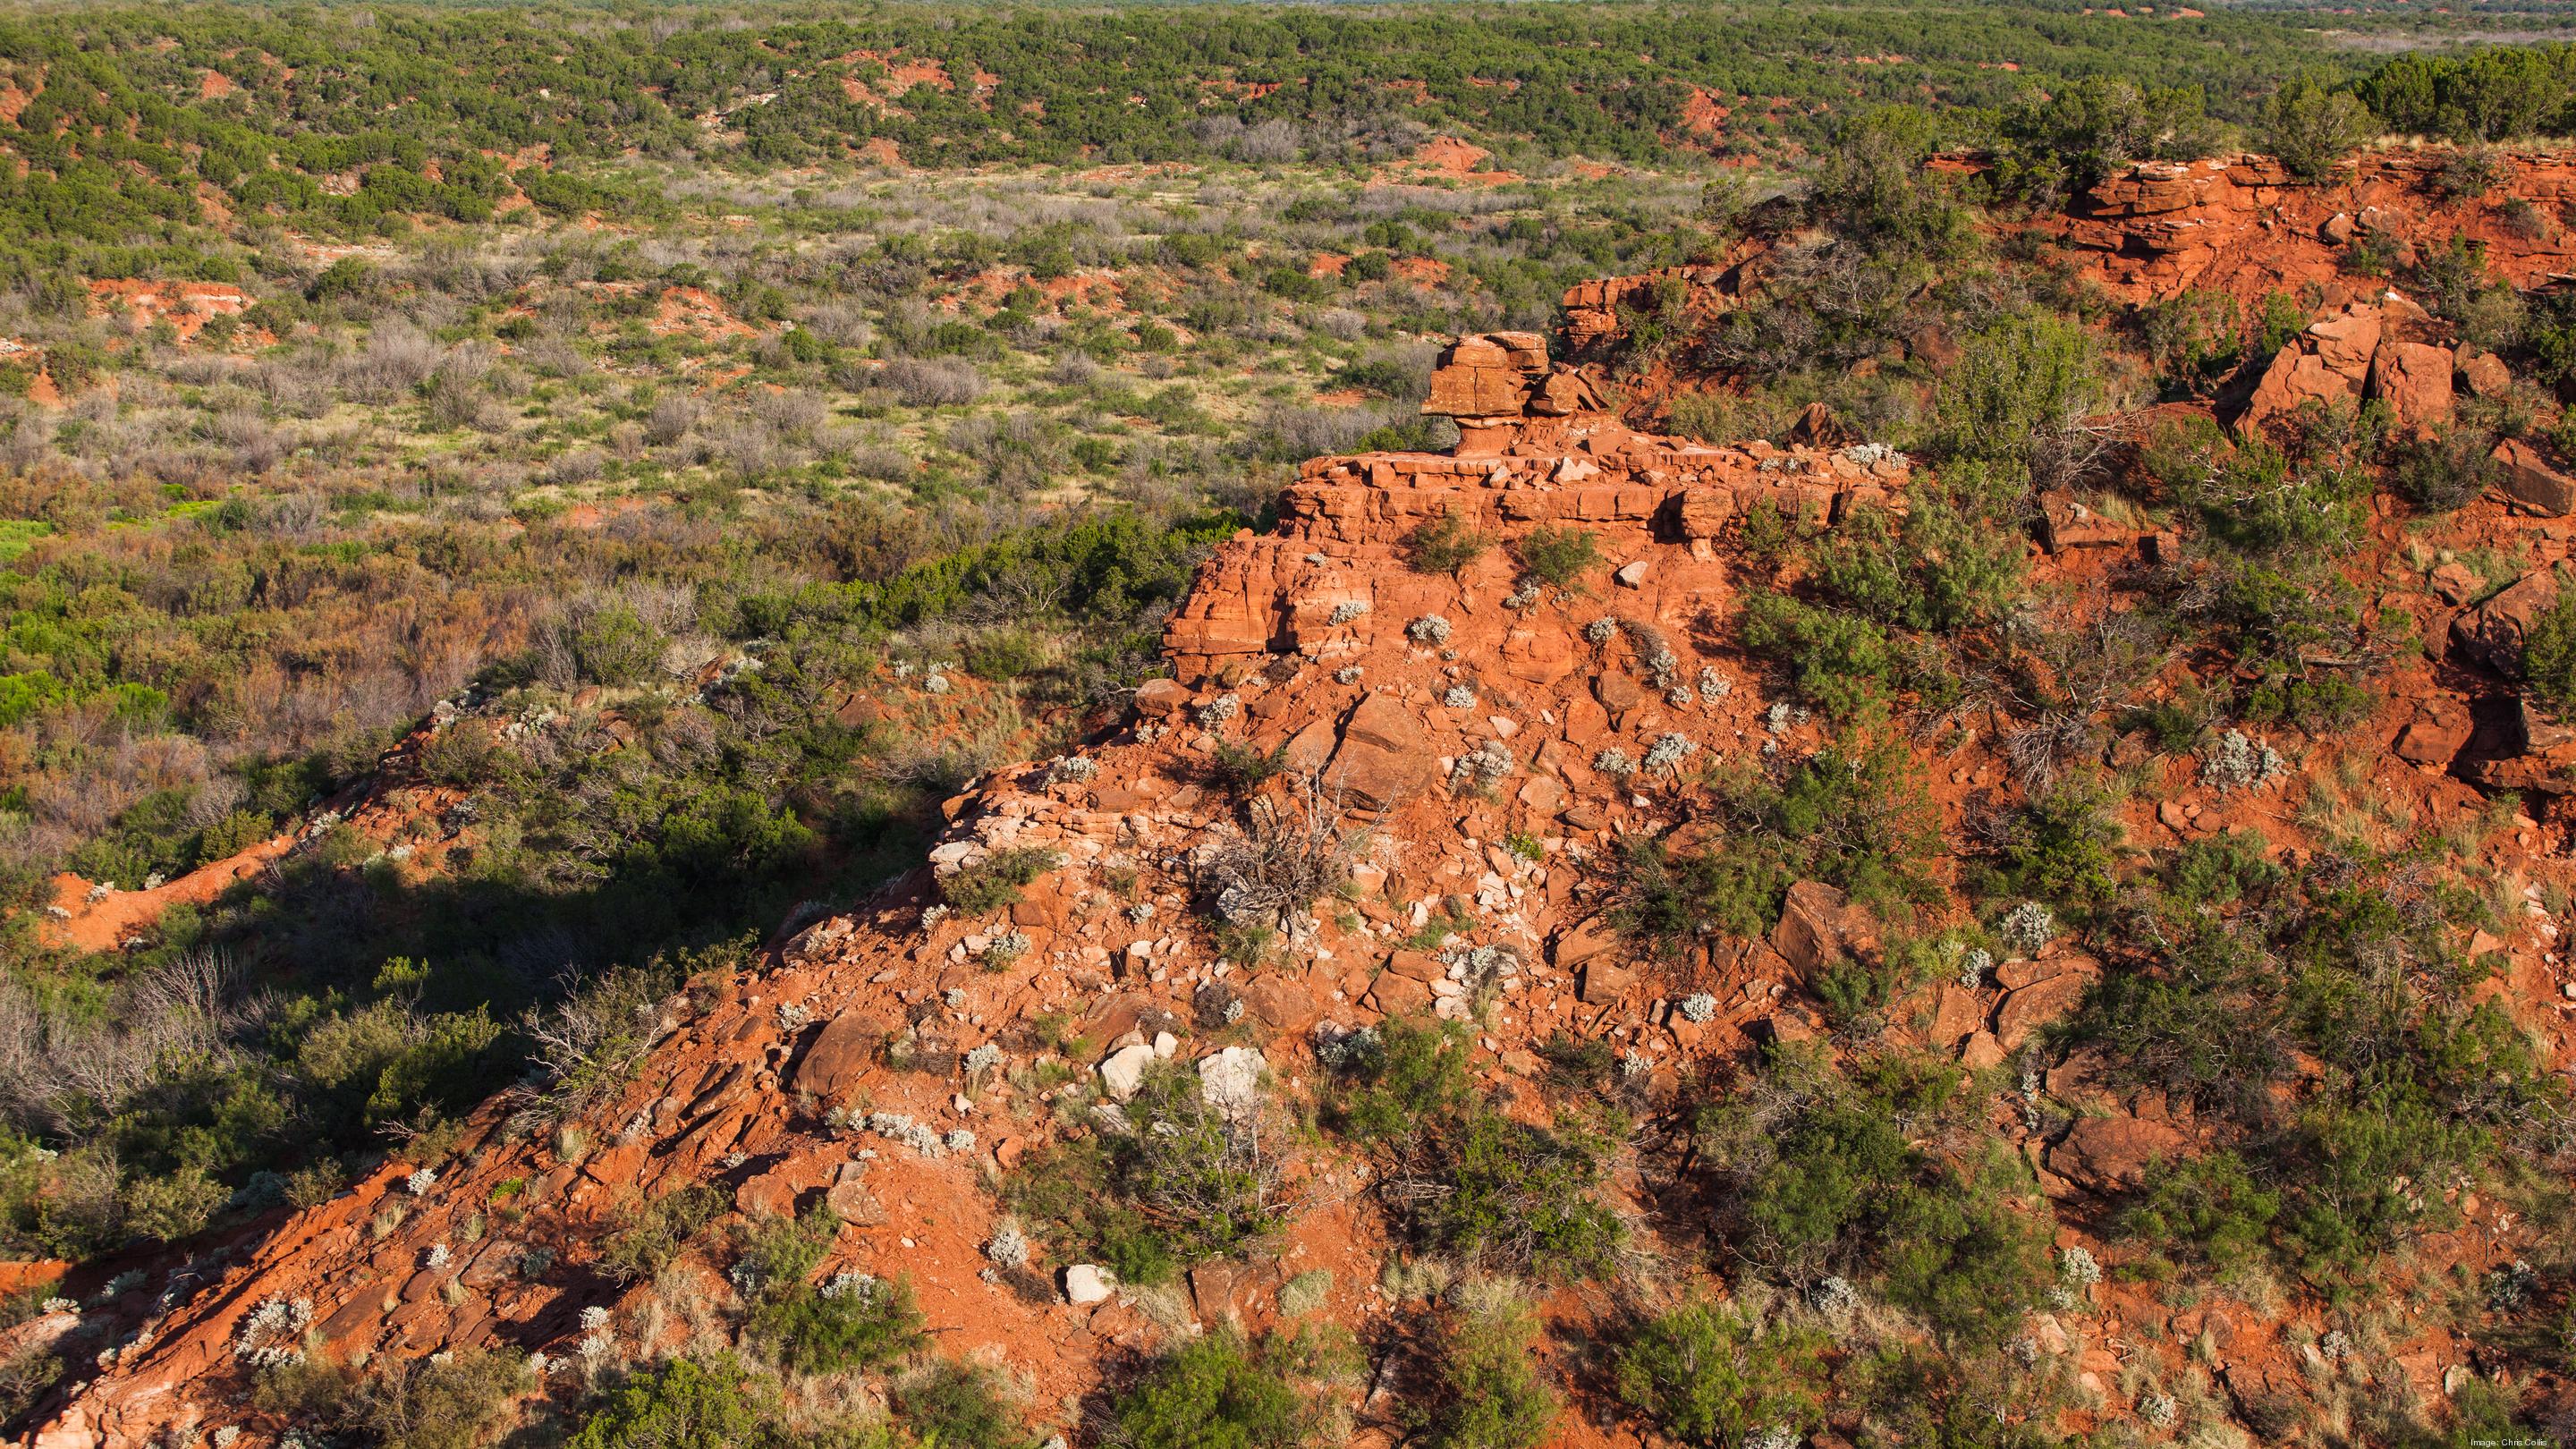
1123	1071
1632	576
1230	1080
1088	1283
1165	1044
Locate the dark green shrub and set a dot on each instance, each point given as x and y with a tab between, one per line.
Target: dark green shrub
1817	1171
2062	846
1210	1180
1444	544
1579	1064
1703	1375
1854	815
2357	1195
1070	1190
613	645
2310	127
2257	498
238	831
2456	282
24	1377
683	1404
1871	186
851	1322
1191	1183
1955	558
1215	1392
653	1233
1957	1254
2222	869
2549	651
2443	470
1241	768
450	1401
2195	339
957	1406
1855	992
777	1254
463	755
994	882
1004	654
1512	1195
2021	394
1769	534
1735	886
172	1207
2214	1204
1842	663
2495	94
2094	125
311	1389
1387	1088
2207	1021
1557	557
1485	1393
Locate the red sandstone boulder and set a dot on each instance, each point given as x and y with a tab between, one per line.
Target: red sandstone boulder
1486	375
840	1056
1572	946
2295	379
2437	733
1819	926
2492	633
1956	1012
2346	343
2113	1154
1380	759
1605	980
2486	375
1160	697
2031	1007
2068	523
2414	379
2530	481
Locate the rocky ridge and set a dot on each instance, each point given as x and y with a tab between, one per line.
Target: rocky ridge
1488	745
1491	745
2245	227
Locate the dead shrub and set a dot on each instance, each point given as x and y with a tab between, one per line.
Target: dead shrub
1280	861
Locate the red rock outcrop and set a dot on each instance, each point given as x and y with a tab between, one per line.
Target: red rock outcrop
2244	227
2385	348
1487	745
1455	711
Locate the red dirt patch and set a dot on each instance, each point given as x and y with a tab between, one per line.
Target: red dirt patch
1702	115
187	306
103	924
1423	271
1097	290
695	312
902	72
1451	159
13	101
214	85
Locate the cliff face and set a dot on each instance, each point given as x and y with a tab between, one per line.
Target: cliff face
1490	745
